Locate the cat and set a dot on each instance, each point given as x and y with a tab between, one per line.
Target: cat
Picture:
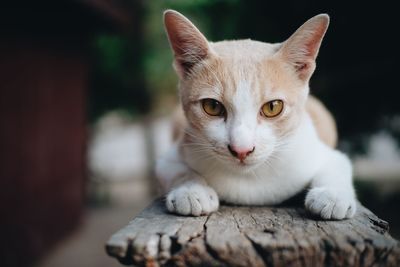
250	133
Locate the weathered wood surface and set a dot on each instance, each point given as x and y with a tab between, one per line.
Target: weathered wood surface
253	236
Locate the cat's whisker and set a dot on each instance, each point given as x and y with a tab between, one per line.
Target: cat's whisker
281	147
199	156
199	150
193	146
196	145
270	165
212	168
273	157
194	135
190	132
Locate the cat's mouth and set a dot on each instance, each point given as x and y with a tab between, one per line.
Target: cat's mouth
246	166
247	163
243	165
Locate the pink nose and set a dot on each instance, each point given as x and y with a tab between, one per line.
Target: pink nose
241	153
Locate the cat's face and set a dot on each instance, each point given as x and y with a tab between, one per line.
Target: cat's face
242	99
239	104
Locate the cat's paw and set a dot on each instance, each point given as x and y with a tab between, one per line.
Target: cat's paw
192	199
331	204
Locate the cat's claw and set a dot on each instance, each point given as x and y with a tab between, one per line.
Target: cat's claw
192	199
330	204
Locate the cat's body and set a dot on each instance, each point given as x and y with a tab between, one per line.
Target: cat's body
251	134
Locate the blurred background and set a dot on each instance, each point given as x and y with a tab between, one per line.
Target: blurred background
86	89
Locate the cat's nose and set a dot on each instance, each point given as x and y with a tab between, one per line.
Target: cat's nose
240	153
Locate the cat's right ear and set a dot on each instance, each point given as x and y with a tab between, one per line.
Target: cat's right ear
187	42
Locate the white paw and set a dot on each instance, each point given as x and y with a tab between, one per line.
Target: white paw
192	199
331	203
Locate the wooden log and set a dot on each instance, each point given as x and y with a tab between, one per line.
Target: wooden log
253	236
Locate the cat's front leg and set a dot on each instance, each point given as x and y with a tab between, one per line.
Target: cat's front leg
192	197
332	194
188	192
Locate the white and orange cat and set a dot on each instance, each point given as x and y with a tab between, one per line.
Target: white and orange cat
252	134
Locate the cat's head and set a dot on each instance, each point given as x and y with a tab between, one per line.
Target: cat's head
242	99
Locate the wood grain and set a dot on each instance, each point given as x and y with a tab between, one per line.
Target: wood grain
253	236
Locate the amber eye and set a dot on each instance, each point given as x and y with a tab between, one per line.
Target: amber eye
213	107
272	108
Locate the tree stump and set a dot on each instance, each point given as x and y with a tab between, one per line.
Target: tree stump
253	236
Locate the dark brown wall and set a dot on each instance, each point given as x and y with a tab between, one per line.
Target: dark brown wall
44	71
42	142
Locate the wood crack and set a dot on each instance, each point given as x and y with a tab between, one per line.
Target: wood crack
214	254
266	257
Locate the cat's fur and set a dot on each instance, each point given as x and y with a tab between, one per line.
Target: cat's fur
293	151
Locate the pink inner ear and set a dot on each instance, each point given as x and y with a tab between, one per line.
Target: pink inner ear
301	66
188	49
313	44
187	42
301	49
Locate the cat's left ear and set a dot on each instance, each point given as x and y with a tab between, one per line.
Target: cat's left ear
301	49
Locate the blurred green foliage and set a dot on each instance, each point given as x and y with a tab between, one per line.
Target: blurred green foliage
111	48
117	78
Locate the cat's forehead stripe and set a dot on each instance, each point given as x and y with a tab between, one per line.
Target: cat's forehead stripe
242	93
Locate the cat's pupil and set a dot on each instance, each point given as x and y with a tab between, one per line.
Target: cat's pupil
272	105
214	104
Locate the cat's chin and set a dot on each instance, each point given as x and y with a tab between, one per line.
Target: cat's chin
243	167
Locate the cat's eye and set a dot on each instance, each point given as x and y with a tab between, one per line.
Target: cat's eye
272	108
213	107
